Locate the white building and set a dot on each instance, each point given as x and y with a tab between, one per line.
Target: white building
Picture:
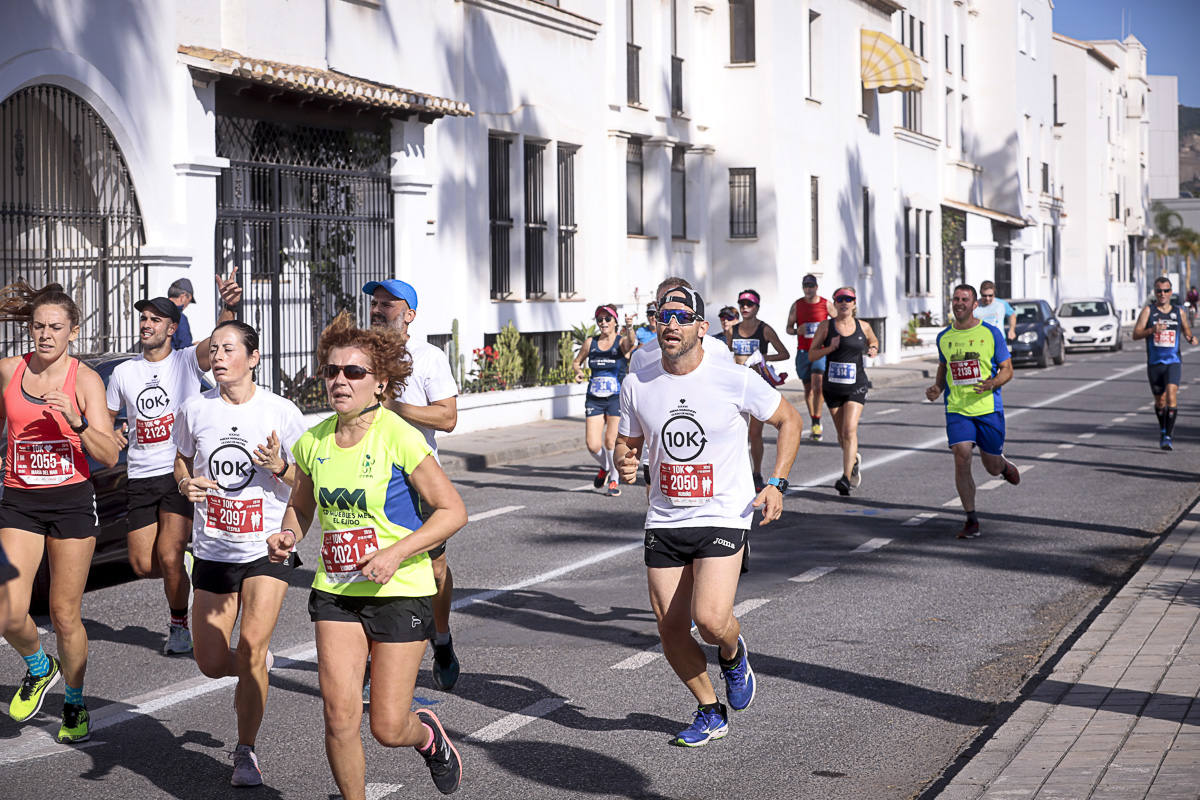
1164	136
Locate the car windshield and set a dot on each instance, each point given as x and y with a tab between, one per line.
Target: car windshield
1095	308
1027	312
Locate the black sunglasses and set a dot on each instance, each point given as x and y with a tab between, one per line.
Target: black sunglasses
604	318
728	317
353	371
845	298
1162	291
684	316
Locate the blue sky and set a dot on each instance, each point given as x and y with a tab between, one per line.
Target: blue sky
1168	28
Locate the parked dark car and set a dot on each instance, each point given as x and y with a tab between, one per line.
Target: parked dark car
1039	334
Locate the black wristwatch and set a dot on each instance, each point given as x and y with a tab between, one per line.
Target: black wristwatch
83	425
779	483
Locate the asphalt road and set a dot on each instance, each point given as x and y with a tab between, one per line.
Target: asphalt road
882	644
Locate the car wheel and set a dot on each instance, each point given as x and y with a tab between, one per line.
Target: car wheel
1043	358
1062	352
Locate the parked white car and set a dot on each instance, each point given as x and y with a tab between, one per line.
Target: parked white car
1090	322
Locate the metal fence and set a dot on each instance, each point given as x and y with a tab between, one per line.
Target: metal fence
306	215
69	215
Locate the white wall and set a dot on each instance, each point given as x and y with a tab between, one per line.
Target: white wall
1164	136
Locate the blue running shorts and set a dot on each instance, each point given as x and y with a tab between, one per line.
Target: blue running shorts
1163	375
805	368
986	430
608	406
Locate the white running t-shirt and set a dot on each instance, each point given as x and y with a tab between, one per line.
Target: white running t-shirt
651	351
695	435
430	381
151	393
233	524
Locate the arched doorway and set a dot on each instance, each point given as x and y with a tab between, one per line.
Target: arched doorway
69	214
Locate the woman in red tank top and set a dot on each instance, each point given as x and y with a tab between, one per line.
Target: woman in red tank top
49	505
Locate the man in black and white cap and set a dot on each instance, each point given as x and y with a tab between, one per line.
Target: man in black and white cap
181	294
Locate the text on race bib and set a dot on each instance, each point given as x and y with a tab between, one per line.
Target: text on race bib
43	463
686	484
966	372
233	519
810	329
841	372
603	386
154	431
1164	338
342	550
745	347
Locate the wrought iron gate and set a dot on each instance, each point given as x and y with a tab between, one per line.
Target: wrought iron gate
69	215
306	215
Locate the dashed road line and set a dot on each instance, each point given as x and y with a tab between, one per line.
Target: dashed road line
639	660
1051	454
517	719
1066	445
1088	435
887	411
810	575
495	512
953	502
870	545
924	516
583	488
746	606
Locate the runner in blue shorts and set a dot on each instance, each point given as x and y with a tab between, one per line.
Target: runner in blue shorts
973	364
1163	324
607	355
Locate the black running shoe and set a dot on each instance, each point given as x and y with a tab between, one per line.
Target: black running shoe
598	481
445	767
970	530
842	485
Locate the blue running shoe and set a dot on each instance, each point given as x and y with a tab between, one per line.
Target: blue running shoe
1165	442
739	681
711	723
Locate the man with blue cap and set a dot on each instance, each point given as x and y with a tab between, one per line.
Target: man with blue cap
429	403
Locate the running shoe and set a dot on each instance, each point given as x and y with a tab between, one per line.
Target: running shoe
739	681
445	767
445	666
270	661
598	481
970	530
1165	442
816	432
856	472
710	723
179	641
614	489
1011	473
842	485
28	699
245	767
74	725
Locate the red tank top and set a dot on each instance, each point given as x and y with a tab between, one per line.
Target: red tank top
42	449
808	316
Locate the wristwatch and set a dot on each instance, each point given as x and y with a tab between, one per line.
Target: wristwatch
83	425
779	483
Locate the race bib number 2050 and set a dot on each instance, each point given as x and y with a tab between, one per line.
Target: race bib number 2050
686	484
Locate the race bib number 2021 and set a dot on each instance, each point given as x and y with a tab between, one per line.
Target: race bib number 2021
342	550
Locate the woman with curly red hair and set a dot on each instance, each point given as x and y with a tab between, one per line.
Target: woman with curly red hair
364	472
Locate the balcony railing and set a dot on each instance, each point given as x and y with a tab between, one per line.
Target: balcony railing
676	85
633	80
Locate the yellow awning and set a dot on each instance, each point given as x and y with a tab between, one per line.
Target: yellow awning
888	65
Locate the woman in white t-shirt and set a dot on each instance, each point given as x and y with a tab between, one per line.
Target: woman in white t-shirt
233	462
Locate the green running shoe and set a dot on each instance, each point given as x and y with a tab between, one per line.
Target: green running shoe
28	699
74	725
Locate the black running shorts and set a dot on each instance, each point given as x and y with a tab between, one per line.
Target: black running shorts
1163	375
383	619
146	497
678	547
60	512
221	577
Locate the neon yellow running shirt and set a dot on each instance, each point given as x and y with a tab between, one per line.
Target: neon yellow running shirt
365	503
971	356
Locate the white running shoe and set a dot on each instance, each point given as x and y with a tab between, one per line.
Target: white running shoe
179	641
856	472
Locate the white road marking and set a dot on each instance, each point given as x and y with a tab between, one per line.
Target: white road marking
49	629
1051	454
1066	445
584	488
887	411
1117	419
808	576
919	518
746	606
495	512
517	720
952	503
995	483
378	791
639	660
1088	435
491	594
870	545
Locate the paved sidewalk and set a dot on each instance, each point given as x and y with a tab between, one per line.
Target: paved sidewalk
1117	719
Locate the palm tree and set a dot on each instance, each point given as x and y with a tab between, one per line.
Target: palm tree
1187	242
1166	221
1160	246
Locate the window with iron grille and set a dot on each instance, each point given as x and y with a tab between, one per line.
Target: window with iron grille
814	191
678	193
633	79
743	203
633	187
911	111
928	254
866	233
69	215
305	213
912	278
741	31
567	226
499	215
535	221
1045	178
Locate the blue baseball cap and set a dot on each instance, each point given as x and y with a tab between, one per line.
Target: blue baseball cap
396	288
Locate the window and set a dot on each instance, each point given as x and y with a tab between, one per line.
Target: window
911	111
918	249
912	33
676	64
1054	86
815	206
962	128
678	193
946	51
1045	178
949	113
866	232
633	187
814	47
567	227
535	221
499	216
633	80
1027	39
743	204
928	255
962	61
741	31
911	282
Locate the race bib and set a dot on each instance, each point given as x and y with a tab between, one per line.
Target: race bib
966	372
150	432
603	386
745	347
810	329
686	484
841	372
43	463
1164	338
342	550
234	520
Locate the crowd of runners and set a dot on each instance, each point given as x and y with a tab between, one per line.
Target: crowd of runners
224	482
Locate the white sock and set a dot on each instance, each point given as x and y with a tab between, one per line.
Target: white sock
599	456
609	465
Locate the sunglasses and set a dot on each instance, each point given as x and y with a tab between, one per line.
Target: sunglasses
1162	291
746	304
845	298
353	371
987	296
728	317
684	316
604	318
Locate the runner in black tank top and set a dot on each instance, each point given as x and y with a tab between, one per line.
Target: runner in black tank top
844	342
607	355
747	338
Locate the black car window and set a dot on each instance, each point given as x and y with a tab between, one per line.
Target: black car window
1027	312
1092	308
